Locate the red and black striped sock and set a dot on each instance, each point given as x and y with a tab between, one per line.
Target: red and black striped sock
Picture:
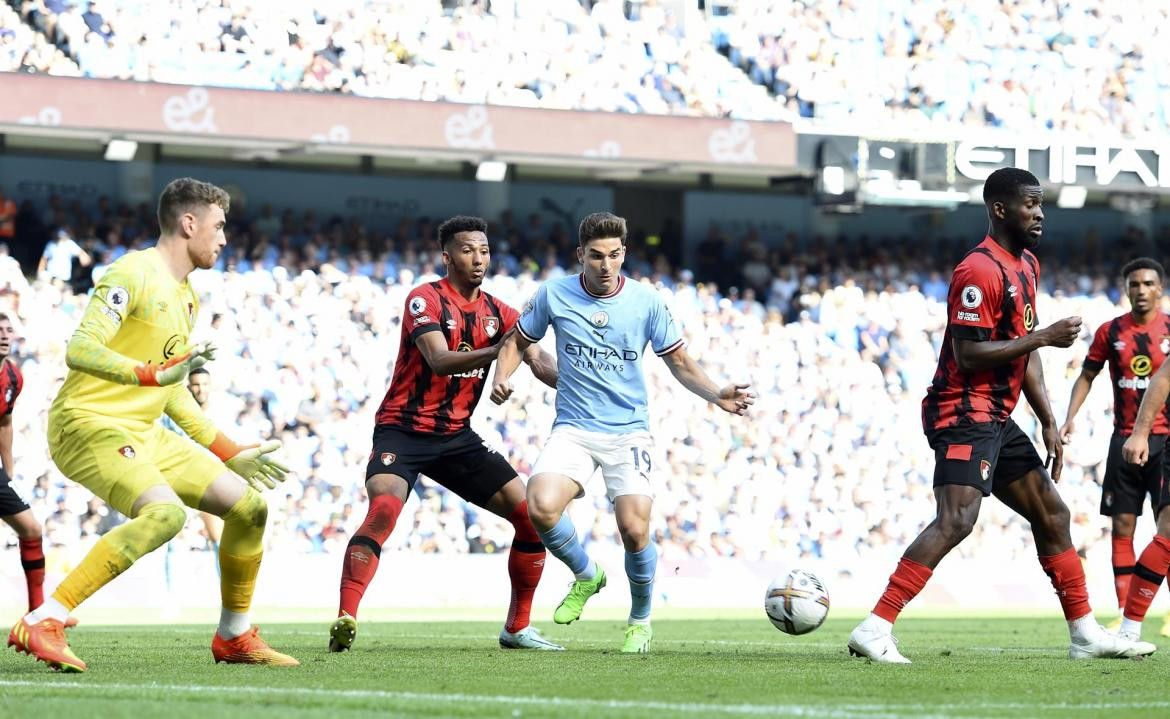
1068	579
1123	564
32	560
905	584
1147	577
525	565
364	550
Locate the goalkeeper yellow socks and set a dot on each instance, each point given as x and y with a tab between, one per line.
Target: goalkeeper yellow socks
113	554
240	550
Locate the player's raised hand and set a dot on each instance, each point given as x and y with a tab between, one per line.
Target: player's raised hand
176	369
1136	449
501	391
736	398
1062	333
1066	432
256	465
1055	461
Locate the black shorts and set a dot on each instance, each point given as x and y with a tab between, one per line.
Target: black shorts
10	501
461	462
985	455
1126	485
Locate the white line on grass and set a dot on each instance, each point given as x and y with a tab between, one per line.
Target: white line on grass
790	710
871	711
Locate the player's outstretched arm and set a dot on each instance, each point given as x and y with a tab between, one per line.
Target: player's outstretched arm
1136	449
88	349
1080	391
511	349
254	463
542	364
443	361
1037	395
973	355
734	398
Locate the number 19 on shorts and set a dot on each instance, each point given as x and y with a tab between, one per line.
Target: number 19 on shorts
641	459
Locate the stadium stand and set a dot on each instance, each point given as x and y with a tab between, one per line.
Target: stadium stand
833	466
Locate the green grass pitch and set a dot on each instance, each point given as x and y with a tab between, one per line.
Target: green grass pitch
970	667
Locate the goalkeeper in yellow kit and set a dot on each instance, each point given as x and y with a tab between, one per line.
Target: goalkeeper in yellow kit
127	362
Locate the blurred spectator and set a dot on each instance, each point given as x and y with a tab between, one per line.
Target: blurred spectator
60	253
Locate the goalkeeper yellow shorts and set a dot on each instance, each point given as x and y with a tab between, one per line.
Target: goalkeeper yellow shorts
119	464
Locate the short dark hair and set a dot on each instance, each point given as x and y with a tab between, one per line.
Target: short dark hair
460	223
185	195
1143	263
601	225
5	318
1005	184
198	370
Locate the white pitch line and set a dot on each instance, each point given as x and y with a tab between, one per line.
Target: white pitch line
884	711
789	710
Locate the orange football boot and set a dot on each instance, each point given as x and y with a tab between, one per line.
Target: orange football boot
45	640
248	648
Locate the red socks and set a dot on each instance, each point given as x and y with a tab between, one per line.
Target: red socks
32	559
525	565
1068	578
1123	563
905	584
361	556
1147	577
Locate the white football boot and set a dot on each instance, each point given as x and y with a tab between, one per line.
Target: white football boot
875	643
1101	644
527	638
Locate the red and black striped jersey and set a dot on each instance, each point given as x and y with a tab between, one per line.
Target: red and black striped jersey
992	298
1134	352
11	383
420	400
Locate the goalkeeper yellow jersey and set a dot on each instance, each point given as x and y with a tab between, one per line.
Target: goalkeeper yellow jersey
138	314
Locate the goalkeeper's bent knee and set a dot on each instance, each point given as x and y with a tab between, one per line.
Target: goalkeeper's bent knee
251	510
243	526
156	524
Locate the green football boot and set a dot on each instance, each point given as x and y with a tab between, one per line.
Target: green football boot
637	639
342	633
571	606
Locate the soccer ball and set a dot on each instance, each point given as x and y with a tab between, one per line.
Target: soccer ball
797	603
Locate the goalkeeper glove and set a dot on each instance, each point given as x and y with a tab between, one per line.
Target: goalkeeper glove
253	463
176	369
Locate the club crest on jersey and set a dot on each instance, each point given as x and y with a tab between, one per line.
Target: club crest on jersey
127	452
491	325
599	319
1029	317
418	305
984	470
388	458
971	297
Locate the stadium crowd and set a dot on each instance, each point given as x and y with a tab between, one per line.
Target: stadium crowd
840	341
1092	66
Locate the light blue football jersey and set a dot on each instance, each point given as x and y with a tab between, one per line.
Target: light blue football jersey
600	345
